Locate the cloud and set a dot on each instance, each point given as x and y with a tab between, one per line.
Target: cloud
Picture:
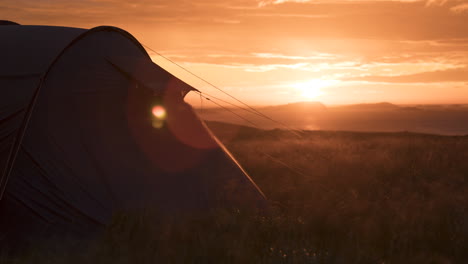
316	56
271	67
263	3
451	75
378	19
85	12
460	8
286	15
456	6
427	2
276	2
436	2
226	21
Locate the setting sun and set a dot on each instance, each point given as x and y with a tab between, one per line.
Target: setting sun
312	89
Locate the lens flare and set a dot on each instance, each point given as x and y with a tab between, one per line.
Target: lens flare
158	123
159	112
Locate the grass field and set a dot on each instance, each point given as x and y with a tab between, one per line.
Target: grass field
339	197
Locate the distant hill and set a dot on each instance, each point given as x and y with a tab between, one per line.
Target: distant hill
375	117
374	106
299	106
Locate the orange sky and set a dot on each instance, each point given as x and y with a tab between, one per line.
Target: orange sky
282	51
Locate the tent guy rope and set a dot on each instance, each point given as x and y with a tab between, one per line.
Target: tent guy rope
255	111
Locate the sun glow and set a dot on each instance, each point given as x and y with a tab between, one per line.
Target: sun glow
313	88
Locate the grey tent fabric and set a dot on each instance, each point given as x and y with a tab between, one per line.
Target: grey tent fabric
90	147
144	70
7	23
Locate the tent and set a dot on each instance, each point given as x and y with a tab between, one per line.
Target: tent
89	126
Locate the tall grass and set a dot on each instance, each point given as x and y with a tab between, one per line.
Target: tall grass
345	198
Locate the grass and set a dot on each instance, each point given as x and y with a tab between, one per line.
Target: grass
345	198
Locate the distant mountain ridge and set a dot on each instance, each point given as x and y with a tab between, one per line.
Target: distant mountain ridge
370	106
314	106
375	117
319	106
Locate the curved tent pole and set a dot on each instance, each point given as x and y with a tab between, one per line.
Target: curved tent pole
29	110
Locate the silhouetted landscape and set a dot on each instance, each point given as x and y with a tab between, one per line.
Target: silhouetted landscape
260	131
338	197
379	117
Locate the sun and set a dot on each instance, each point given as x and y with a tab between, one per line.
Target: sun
313	88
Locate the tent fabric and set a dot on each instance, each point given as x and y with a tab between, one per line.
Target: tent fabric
144	70
7	23
91	146
29	50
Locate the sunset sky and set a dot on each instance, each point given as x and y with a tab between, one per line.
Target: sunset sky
283	51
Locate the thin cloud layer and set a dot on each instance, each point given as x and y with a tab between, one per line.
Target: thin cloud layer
263	3
451	75
250	44
460	8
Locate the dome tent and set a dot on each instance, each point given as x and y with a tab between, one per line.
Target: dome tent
79	142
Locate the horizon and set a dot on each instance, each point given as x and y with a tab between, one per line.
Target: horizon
335	105
273	52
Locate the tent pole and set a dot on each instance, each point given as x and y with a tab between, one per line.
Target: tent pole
18	140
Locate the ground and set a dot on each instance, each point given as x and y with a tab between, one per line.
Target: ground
338	197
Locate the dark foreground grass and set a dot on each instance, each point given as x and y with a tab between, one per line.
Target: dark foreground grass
345	198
